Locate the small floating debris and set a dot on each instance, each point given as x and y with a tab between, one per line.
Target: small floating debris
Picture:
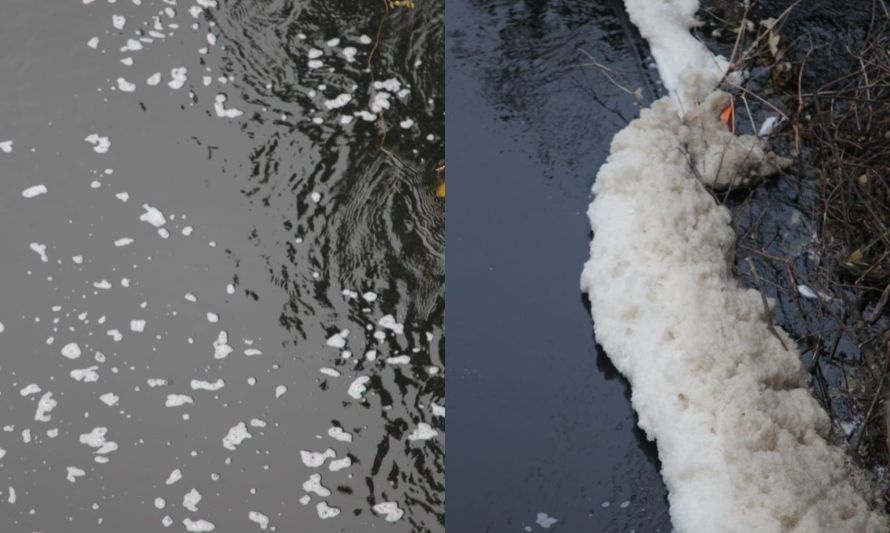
768	127
545	521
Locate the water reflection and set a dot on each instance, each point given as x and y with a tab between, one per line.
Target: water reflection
516	79
346	134
265	332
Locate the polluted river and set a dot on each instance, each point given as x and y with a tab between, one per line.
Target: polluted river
222	266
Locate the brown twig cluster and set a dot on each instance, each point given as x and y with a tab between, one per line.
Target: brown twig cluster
847	123
839	128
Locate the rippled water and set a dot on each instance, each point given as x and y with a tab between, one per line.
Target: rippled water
284	225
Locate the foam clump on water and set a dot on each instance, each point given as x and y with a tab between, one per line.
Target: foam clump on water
665	25
741	440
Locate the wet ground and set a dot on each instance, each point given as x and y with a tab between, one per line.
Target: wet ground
540	420
174	347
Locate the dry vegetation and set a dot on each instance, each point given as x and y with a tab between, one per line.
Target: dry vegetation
839	131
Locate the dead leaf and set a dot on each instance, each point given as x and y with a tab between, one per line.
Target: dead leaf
773	41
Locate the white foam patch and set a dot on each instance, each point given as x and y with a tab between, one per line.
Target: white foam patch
316	459
221	110
174	476
339	464
110	399
740	438
313	485
96	439
44	407
198	384
179	76
100	144
423	431
178	400
337	433
389	510
85	375
221	348
191	499
6	147
545	521
34	191
71	350
132	45
325	511
358	387
338	102
338	340
153	216
28	390
259	519
40	249
198	526
389	322
125	86
236	435
73	473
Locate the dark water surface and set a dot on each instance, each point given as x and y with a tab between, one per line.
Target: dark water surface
283	225
541	421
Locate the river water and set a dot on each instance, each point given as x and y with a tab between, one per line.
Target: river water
529	123
184	292
541	421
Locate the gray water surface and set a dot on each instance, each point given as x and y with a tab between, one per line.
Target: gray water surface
283	226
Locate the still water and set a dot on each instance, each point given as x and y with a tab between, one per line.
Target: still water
541	423
221	266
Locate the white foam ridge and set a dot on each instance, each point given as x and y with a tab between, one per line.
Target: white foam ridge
742	442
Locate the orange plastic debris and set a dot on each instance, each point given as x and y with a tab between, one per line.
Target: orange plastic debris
727	116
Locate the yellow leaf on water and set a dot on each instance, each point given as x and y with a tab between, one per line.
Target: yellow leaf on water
440	190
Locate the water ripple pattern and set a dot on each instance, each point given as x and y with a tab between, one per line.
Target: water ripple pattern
224	235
